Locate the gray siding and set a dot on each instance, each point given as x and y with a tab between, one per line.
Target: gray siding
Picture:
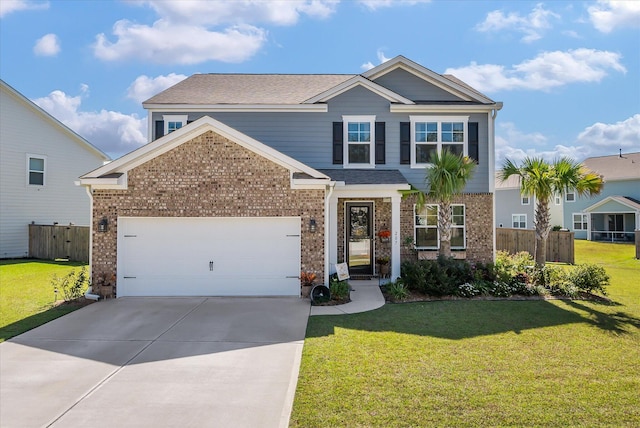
411	86
307	137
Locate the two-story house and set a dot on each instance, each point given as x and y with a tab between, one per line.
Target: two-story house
250	179
40	159
614	214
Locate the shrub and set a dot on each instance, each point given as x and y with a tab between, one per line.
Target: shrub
72	285
588	277
339	290
467	290
439	277
397	290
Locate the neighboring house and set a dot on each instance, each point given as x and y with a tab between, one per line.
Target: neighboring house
614	214
517	211
40	158
250	179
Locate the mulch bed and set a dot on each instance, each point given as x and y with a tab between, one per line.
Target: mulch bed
418	297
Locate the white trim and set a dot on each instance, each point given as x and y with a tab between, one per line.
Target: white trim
346	120
44	170
566	197
439	143
619	199
181	118
522	202
187	133
415	228
582	221
444	108
218	108
373	234
355	81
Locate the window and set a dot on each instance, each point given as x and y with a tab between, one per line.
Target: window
525	200
173	122
35	170
427	235
580	221
558	199
519	221
435	134
359	136
570	197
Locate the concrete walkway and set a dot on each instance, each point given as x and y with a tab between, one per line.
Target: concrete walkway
365	296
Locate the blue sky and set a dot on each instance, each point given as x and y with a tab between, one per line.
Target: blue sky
568	72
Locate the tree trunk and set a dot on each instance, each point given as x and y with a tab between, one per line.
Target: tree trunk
543	226
444	225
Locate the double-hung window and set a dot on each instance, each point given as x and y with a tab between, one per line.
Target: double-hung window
359	136
173	122
35	170
570	197
580	221
519	221
427	235
433	134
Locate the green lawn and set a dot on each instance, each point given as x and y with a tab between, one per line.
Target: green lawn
26	295
481	363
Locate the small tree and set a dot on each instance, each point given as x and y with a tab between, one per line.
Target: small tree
543	180
447	176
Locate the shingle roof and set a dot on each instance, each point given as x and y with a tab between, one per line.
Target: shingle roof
616	167
366	176
208	89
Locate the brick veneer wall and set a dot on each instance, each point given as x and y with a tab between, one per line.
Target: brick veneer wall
209	176
479	218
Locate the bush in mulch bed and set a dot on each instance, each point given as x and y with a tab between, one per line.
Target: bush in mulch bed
510	277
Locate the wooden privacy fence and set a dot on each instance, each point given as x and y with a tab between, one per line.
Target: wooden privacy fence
559	244
59	242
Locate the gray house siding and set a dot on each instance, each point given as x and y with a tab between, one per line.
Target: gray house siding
630	188
307	137
411	86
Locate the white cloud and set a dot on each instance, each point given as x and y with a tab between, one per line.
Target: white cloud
113	132
9	6
47	45
377	4
191	31
603	137
608	15
381	58
166	43
599	139
532	25
144	87
545	71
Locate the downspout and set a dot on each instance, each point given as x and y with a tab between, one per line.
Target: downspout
492	172
326	231
88	295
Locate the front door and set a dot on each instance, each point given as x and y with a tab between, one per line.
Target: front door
359	235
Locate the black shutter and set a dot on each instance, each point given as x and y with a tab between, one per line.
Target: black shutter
405	143
159	128
337	143
380	142
473	141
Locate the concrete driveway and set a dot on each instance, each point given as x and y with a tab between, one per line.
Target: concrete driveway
157	362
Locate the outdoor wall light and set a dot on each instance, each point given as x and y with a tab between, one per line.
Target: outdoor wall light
103	226
312	225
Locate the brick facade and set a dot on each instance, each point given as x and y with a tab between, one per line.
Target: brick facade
479	225
208	176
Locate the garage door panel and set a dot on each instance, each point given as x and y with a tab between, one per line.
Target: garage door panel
208	256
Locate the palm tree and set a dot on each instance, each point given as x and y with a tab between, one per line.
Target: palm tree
447	176
543	180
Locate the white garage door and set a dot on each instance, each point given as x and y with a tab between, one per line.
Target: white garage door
208	256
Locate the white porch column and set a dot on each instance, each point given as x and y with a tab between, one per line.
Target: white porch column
332	230
395	237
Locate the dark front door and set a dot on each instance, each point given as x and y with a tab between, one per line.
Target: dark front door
359	232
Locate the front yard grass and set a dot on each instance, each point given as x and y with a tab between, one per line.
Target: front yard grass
26	294
481	363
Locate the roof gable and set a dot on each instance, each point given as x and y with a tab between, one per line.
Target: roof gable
10	91
355	82
447	83
113	173
610	201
